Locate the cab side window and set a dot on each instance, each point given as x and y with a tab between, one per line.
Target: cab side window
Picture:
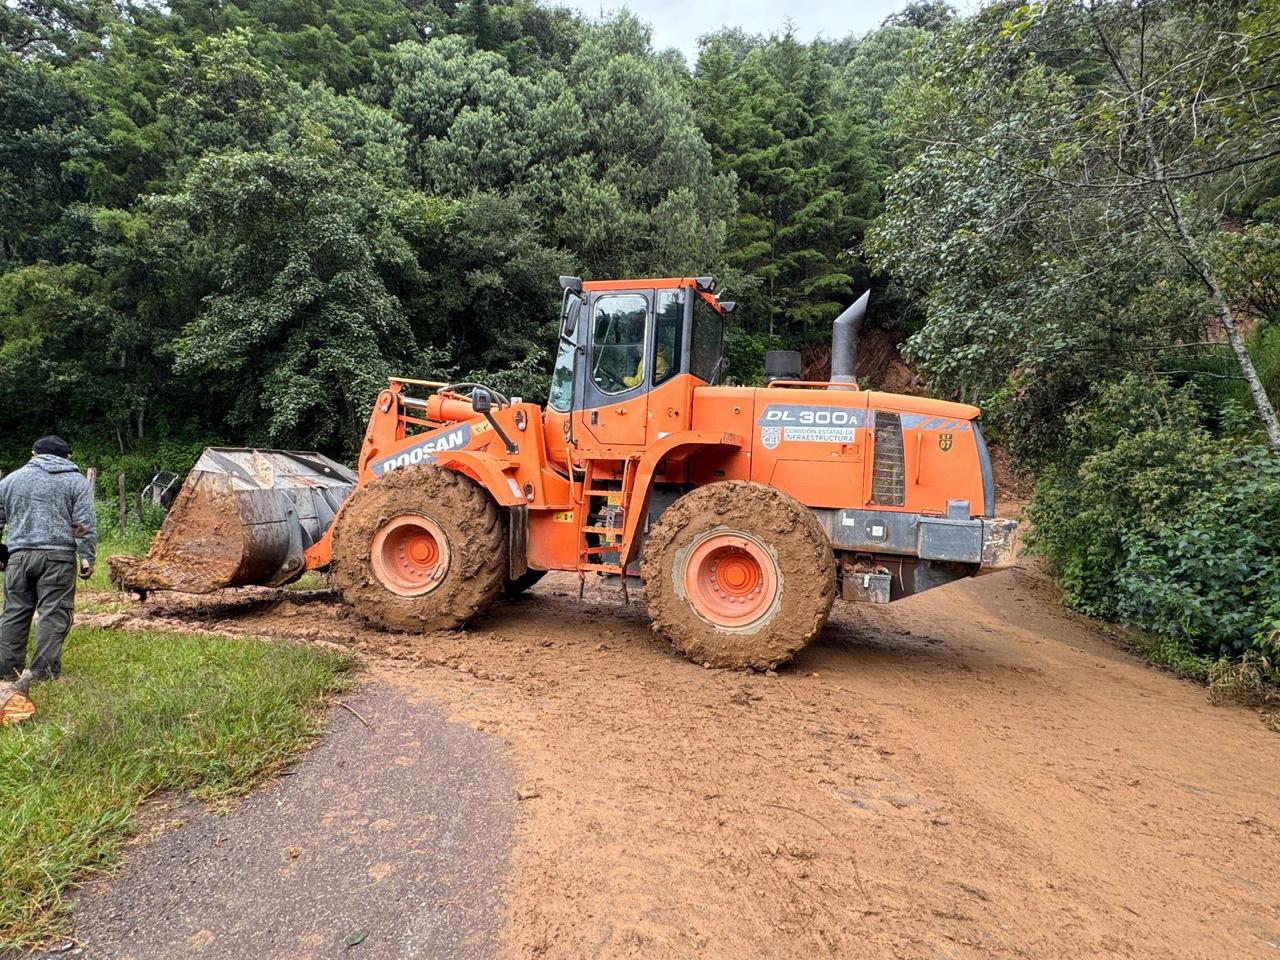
668	324
706	343
617	342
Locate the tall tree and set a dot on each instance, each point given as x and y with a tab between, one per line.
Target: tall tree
808	183
46	118
1066	152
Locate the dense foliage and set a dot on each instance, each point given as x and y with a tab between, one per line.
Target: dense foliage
1149	518
234	220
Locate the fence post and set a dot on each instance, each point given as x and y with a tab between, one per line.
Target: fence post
124	504
92	476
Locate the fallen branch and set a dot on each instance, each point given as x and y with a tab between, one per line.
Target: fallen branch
354	712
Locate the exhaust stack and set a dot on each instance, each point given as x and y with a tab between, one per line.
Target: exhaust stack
844	343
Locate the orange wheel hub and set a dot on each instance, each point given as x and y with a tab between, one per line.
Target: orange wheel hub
731	579
410	555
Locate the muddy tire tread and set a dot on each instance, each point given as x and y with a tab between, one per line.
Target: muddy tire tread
477	541
804	554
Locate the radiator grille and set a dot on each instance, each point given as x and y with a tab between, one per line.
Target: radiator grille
888	474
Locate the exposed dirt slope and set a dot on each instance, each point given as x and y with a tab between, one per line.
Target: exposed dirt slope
971	773
879	362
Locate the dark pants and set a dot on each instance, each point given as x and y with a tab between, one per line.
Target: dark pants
44	582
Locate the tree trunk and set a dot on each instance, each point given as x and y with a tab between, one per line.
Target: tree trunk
1191	251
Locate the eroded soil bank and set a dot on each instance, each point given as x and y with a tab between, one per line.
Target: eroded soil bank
969	773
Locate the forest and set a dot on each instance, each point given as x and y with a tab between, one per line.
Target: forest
228	221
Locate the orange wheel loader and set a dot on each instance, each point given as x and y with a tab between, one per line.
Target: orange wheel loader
745	511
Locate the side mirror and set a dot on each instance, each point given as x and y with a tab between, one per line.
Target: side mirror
481	400
572	308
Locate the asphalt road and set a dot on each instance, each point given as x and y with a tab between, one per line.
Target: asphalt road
387	841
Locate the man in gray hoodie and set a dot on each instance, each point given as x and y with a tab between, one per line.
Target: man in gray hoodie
48	508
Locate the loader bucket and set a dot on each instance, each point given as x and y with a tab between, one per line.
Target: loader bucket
243	517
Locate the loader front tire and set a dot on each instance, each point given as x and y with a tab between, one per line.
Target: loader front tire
419	549
739	575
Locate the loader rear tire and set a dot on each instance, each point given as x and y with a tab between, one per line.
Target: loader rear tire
738	574
419	549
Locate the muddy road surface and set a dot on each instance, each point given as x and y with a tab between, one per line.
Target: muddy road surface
970	773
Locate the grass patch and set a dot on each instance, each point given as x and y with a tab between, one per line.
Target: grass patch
1253	680
135	713
311	580
1166	652
134	543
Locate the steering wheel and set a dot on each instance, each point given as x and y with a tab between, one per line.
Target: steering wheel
608	379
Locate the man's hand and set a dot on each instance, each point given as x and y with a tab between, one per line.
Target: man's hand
86	569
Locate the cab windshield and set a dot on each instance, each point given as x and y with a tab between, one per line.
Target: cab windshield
617	343
561	399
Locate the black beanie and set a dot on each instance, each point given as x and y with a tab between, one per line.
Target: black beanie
53	445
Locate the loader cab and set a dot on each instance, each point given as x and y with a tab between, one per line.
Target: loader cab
630	354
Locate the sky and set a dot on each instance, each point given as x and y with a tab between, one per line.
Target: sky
679	23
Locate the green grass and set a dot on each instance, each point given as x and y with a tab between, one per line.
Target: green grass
1166	652
136	713
134	542
311	580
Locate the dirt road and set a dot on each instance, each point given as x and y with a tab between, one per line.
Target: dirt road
969	773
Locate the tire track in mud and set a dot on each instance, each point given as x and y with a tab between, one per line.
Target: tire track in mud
973	772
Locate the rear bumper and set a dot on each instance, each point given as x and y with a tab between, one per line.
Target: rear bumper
957	538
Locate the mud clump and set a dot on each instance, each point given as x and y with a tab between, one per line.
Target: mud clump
199	549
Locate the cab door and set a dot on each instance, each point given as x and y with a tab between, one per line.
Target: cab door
613	396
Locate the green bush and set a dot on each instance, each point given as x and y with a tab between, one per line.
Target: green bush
1212	573
138	464
1150	520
